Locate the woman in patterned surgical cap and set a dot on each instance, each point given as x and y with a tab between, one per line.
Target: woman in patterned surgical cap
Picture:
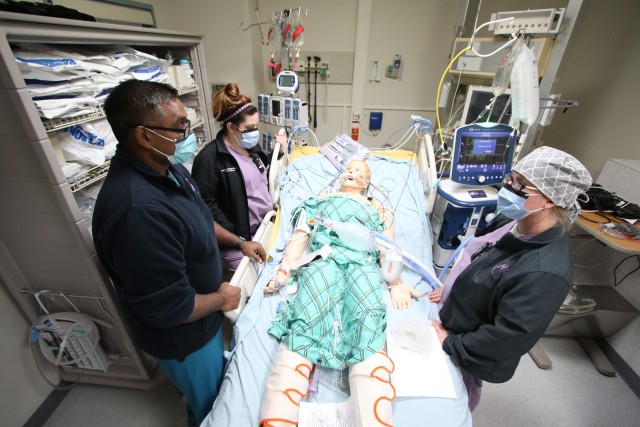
511	279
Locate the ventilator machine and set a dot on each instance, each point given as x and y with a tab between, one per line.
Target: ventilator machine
482	154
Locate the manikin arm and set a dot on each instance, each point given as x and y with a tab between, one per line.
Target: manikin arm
400	293
295	249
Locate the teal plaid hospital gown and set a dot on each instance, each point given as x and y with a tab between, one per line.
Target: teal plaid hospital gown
338	317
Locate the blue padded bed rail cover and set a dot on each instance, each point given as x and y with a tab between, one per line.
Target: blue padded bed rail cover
396	183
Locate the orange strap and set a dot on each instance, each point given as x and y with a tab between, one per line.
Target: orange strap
306	377
267	422
373	375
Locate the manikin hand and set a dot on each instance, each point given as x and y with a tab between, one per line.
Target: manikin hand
279	280
401	295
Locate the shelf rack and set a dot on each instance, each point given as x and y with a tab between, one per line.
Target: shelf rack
46	242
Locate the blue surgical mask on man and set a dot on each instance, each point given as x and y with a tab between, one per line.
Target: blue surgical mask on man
184	149
511	204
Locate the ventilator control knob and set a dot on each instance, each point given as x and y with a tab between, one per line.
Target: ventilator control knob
481	179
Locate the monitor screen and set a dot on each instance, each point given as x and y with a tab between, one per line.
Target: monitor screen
477	100
482	154
287	81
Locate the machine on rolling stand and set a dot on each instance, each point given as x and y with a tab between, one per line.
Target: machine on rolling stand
482	154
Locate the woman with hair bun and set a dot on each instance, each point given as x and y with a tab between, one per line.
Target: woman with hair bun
232	173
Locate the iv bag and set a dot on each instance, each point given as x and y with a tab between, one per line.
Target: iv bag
525	88
503	73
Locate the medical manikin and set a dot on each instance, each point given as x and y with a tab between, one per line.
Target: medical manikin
337	317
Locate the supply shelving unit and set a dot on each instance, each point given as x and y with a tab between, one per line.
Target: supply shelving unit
45	242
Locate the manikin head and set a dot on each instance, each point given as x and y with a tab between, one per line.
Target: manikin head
356	176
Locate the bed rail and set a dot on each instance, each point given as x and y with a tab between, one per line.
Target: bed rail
428	170
246	275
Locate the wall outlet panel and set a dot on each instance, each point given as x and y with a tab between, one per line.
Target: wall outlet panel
540	21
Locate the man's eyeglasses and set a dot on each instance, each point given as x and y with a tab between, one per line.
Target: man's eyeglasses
516	185
257	162
184	131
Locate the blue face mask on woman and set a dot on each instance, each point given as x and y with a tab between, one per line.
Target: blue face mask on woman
250	138
511	205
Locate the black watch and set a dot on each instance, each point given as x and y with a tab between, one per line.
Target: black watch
239	242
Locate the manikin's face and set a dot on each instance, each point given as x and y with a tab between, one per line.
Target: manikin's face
356	175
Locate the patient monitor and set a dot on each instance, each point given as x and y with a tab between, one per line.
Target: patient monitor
482	154
287	82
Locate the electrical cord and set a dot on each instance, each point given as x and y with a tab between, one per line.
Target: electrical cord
596	222
316	59
374	133
309	88
444	74
405	138
615	279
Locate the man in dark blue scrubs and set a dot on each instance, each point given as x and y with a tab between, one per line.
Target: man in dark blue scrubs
155	236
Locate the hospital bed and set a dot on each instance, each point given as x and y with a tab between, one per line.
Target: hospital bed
400	178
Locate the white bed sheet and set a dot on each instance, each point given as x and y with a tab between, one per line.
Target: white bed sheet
252	349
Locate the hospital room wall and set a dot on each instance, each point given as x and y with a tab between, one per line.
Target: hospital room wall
602	74
418	30
330	33
227	49
422	33
595	74
374	30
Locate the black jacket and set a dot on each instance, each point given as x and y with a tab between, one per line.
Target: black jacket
502	303
222	185
157	242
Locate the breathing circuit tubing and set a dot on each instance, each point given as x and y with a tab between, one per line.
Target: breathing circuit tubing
453	256
360	237
418	266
